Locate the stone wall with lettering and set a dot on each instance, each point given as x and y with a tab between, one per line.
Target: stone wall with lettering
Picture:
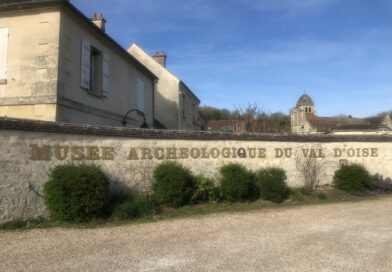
30	149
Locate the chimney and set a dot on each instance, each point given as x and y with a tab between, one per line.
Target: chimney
160	57
99	21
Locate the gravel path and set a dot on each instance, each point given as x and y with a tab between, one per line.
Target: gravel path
334	237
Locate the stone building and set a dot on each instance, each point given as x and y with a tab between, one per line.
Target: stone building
176	106
304	120
58	65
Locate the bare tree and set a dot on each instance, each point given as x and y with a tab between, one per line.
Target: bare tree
311	169
253	118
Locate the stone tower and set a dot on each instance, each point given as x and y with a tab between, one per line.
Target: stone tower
304	109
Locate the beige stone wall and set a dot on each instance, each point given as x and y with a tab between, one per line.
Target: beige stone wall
123	77
188	110
362	132
42	112
167	89
32	64
299	122
80	114
44	72
169	107
130	161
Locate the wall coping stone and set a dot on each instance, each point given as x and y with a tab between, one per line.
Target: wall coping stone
78	129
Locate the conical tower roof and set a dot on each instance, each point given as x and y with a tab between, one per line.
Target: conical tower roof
305	101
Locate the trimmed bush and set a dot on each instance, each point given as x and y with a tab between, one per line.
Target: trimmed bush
173	184
205	190
271	183
352	177
132	208
297	196
322	196
381	184
77	193
237	183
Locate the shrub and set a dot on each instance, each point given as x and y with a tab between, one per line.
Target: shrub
297	196
205	190
271	183
77	193
173	184
131	208
322	196
237	183
352	177
382	184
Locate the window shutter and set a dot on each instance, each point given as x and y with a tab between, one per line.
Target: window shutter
3	53
105	75
86	65
140	95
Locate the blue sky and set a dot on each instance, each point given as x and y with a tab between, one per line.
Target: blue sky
234	52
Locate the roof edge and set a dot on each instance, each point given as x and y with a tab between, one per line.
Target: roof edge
31	4
120	132
135	46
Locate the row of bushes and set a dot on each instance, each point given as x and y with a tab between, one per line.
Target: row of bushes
82	192
174	185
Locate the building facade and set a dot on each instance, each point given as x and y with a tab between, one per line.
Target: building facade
58	65
176	106
304	120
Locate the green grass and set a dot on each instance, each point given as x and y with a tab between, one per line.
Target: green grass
166	213
296	199
20	224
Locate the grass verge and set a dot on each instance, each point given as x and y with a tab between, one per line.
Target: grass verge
320	197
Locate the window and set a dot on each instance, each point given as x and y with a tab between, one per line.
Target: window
95	70
3	54
140	94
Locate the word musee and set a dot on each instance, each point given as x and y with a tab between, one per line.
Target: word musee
77	153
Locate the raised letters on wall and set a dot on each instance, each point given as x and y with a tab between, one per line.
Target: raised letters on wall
95	153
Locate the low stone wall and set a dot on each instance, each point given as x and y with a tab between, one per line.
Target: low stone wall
29	149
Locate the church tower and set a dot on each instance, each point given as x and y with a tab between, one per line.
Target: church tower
299	115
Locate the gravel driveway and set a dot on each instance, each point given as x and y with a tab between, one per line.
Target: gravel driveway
333	237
